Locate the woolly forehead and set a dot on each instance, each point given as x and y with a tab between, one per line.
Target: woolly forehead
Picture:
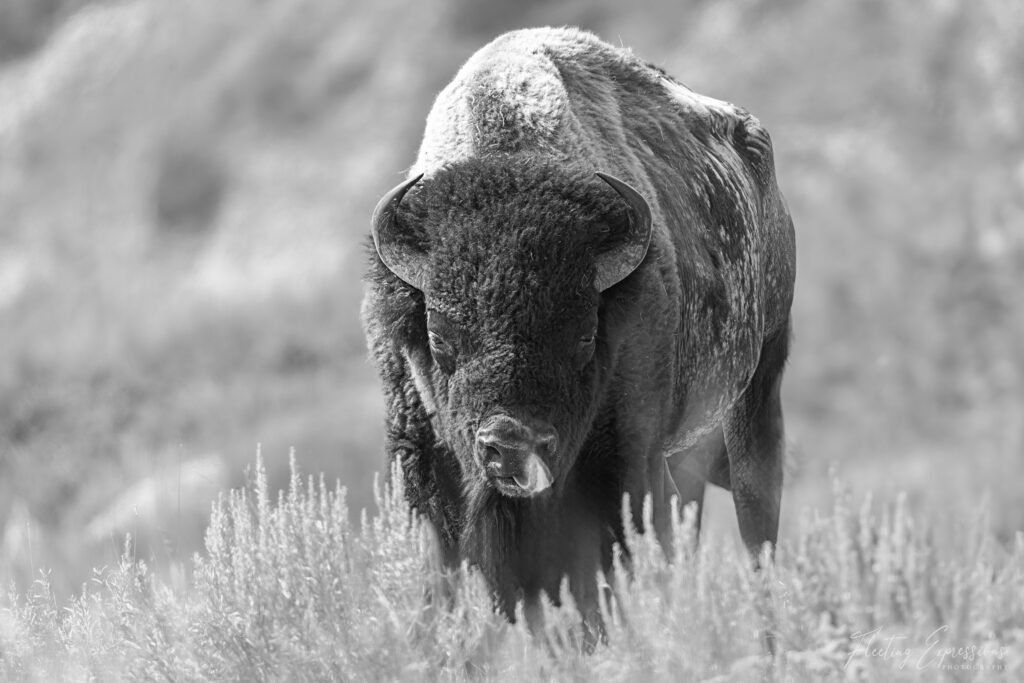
498	239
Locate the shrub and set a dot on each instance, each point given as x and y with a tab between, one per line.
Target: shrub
289	589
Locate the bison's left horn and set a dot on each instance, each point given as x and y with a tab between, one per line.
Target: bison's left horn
629	250
394	248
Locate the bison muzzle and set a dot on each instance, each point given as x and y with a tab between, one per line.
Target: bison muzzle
513	455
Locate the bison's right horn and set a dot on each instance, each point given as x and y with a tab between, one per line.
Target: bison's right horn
402	258
629	250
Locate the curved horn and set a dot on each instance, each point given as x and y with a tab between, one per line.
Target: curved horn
398	255
615	263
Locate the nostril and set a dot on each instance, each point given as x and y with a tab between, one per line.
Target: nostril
492	458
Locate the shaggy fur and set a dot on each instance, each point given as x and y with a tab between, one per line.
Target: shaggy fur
683	386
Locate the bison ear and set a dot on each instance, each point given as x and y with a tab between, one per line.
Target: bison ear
396	245
629	248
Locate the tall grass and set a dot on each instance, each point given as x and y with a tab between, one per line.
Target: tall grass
289	588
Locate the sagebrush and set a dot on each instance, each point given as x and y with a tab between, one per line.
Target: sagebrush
289	588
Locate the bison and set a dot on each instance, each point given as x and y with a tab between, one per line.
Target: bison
581	291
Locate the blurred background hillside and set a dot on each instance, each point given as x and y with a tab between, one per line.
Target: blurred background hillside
185	188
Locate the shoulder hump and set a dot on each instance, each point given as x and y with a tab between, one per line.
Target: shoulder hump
729	123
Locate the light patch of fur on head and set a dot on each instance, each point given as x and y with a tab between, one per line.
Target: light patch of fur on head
513	99
500	100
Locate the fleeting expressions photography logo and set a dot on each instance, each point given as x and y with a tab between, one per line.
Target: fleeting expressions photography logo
933	652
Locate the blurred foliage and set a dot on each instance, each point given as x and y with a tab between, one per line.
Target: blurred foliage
25	24
185	189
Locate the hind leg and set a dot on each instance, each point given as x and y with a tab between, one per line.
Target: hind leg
691	492
692	470
755	444
689	489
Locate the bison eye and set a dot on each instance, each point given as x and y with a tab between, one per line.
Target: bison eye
585	348
442	351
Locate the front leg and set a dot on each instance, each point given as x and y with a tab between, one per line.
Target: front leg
641	472
585	534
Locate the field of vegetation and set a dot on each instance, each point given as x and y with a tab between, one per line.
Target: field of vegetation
184	198
290	589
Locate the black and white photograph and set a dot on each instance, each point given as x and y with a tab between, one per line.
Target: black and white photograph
471	340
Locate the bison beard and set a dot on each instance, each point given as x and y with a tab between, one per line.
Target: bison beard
490	539
506	538
581	292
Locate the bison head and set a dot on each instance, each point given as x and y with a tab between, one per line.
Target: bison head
508	263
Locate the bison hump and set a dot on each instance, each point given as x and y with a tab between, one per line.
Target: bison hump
730	124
